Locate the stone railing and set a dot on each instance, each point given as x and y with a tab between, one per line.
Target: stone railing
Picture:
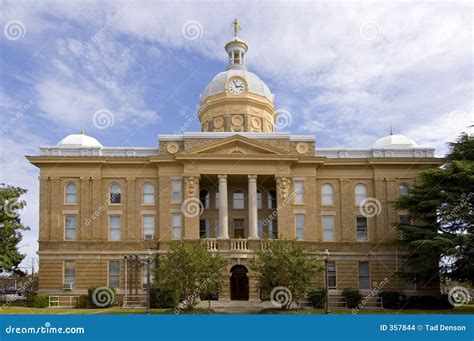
212	244
238	245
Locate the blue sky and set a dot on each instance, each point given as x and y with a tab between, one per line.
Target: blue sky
342	70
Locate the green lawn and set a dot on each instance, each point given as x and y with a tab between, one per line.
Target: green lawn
467	309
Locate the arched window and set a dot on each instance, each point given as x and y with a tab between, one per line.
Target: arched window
204	197
115	193
327	193
148	194
360	194
272	199
238	200
71	193
403	190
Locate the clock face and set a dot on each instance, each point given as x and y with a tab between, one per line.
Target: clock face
236	87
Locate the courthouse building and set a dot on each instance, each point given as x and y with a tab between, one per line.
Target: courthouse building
232	185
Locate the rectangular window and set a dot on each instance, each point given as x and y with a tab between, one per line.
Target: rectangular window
238	200
217	200
145	273
114	274
260	228
259	200
273	228
204	230
114	227
405	219
238	228
299	221
148	227
177	233
362	228
70	228
328	227
70	272
364	277
299	192
332	275
176	191
410	282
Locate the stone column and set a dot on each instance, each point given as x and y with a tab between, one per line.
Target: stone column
253	218
223	212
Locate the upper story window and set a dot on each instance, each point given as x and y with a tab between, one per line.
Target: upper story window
259	200
114	227
299	192
238	200
360	194
327	195
403	190
361	228
70	227
204	197
328	227
115	193
217	200
272	199
299	222
148	194
176	186
71	193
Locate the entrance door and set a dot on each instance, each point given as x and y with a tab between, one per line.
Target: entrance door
239	284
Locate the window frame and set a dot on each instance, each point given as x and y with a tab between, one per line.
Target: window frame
176	227
272	198
366	228
207	197
300	229
357	196
334	275
119	216
65	263
113	195
326	195
237	200
176	190
66	227
400	186
66	193
364	276
207	228
324	229
150	195
117	275
153	228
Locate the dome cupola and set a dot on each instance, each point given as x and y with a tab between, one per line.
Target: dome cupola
237	99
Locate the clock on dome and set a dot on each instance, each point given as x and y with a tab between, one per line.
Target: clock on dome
236	87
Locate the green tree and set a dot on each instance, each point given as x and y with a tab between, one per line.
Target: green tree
441	205
191	270
10	227
288	266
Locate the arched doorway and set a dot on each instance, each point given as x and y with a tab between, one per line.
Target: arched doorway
239	283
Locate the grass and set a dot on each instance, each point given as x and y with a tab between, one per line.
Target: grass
111	310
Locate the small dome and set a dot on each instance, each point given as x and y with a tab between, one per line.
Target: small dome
255	84
79	141
395	142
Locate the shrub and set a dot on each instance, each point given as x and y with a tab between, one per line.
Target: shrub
392	299
29	299
105	295
353	297
163	297
317	297
82	302
40	301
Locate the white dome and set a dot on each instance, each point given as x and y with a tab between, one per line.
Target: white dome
395	142
79	141
255	84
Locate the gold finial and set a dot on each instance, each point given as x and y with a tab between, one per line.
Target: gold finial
236	27
82	131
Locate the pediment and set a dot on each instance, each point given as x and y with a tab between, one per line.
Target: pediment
238	145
